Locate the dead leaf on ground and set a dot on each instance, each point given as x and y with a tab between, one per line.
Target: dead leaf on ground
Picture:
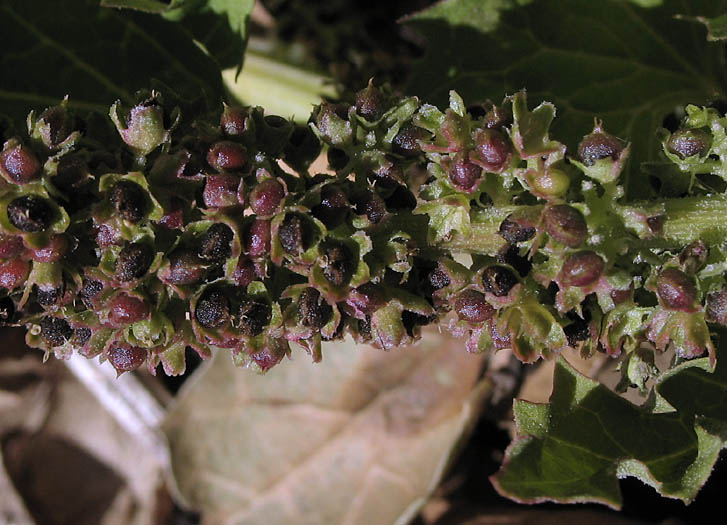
362	437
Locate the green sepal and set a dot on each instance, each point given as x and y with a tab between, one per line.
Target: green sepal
158	330
530	130
448	215
534	332
623	328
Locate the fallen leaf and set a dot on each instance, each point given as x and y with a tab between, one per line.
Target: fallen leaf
363	437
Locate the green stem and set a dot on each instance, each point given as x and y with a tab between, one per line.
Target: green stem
685	220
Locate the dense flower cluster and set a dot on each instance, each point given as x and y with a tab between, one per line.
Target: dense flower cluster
164	233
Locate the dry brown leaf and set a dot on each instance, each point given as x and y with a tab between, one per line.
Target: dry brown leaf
361	438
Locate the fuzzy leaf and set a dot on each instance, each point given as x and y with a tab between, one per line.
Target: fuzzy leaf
590	437
361	437
50	58
611	59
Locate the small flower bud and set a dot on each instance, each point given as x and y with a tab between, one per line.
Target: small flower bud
565	224
18	163
226	155
215	246
294	234
406	141
142	127
313	310
247	271
549	183
493	149
55	331
599	145
266	197
581	269
498	117
498	280
30	213
133	261
464	175
676	290
257	238
129	200
689	142
125	358
213	309
471	306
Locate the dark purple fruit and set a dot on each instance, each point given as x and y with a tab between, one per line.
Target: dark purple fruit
368	203
498	280
57	248
337	159
689	142
133	261
294	235
581	269
11	246
30	213
266	197
126	309
370	103
598	145
565	224
676	290
493	149
215	246
257	238
125	358
220	191
213	309
253	316
367	298
234	121
472	306
577	331
227	156
81	335
406	142
465	175
338	264
51	296
129	200
56	126
514	230
13	273
716	307
438	279
333	207
313	310
19	164
55	331
89	291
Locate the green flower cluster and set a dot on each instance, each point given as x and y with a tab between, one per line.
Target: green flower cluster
137	242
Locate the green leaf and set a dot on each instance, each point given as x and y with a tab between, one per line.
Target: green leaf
362	437
716	27
575	448
611	59
47	53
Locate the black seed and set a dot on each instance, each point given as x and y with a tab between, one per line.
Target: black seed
30	213
90	290
406	142
333	207
411	320
510	254
129	200
438	279
498	280
133	261
294	235
689	142
253	316
313	311
337	159
370	204
401	199
598	145
514	231
364	327
81	335
55	331
215	244
338	264
716	307
576	332
370	103
213	309
49	296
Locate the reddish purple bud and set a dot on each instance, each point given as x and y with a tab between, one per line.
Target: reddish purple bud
18	163
173	218
676	290
227	156
125	357
245	272
472	306
370	103
234	121
257	238
566	225
367	298
581	269
184	268
266	197
14	273
220	191
125	309
493	149
406	142
464	174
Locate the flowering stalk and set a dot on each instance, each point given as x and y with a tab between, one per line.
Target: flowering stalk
214	233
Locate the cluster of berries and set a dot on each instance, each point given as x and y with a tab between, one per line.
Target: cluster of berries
137	242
